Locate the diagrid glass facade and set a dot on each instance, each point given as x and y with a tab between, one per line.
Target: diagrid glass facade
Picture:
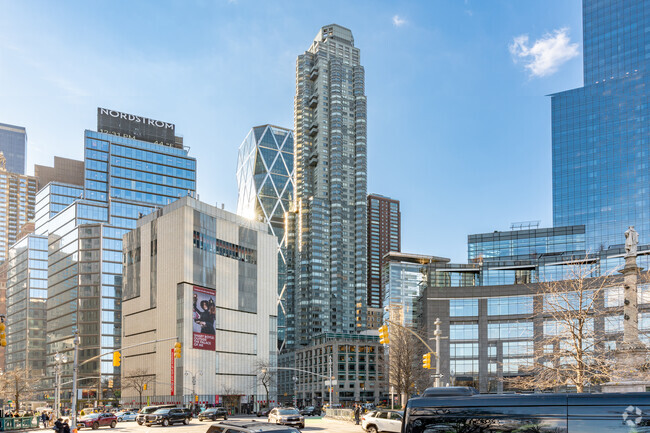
266	184
601	142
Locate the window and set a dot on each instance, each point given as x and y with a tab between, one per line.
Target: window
463	307
463	331
510	330
614	297
510	305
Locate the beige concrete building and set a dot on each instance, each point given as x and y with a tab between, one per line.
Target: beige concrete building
206	278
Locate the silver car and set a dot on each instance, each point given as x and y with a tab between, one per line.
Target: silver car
287	416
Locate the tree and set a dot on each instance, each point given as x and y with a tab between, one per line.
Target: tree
266	376
136	380
572	350
405	372
16	385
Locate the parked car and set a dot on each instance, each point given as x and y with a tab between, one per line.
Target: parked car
264	411
310	411
125	416
97	420
139	418
382	421
167	416
212	413
287	416
249	427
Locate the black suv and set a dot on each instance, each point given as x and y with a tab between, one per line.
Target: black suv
249	427
213	413
166	417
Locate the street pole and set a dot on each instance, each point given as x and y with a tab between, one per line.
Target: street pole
329	367
295	391
75	368
437	334
187	373
56	387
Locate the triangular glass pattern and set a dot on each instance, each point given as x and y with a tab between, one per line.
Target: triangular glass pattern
269	155
279	167
258	132
259	165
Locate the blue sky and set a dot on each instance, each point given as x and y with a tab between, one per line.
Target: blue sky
458	117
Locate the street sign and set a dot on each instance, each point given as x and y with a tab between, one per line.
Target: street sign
332	382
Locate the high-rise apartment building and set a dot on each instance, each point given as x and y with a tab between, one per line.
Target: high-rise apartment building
384	236
13	144
133	165
327	259
601	141
266	183
17	195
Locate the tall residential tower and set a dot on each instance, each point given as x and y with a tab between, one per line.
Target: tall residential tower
13	144
384	221
327	229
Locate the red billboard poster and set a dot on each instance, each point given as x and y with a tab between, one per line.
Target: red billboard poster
203	316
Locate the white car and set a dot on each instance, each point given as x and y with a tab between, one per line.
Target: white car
382	421
287	416
125	416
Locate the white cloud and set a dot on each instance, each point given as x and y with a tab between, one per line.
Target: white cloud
398	21
546	54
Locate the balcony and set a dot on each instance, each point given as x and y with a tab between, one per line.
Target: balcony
313	129
313	159
313	74
313	101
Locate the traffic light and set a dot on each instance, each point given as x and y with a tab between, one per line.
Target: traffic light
144	387
383	334
117	359
426	360
177	350
3	336
110	383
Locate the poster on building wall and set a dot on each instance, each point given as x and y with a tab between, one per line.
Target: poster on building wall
203	314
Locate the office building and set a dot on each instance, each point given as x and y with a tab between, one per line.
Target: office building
355	361
17	196
65	170
26	304
206	278
327	244
133	167
13	144
384	236
265	180
599	134
403	276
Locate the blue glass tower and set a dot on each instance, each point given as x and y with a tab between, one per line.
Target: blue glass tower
601	139
13	144
133	165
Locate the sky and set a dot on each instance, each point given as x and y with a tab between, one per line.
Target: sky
459	125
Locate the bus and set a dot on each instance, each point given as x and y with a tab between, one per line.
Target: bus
464	410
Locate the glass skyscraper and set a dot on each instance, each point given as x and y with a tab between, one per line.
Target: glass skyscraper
601	139
384	226
13	144
125	178
326	281
266	184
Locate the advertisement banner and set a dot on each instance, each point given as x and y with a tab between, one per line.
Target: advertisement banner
203	314
173	375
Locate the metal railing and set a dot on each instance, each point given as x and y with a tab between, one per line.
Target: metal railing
10	423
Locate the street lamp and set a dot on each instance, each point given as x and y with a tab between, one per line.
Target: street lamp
295	391
59	359
187	373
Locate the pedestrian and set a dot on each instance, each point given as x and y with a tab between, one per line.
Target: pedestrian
357	413
44	419
58	425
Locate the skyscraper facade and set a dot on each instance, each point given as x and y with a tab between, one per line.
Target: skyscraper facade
384	237
26	299
327	259
266	183
17	196
13	144
134	166
601	142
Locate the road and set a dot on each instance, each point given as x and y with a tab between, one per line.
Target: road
312	424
